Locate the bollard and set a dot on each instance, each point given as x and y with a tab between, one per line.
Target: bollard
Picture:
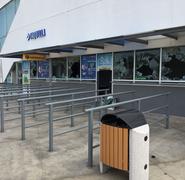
167	113
19	107
23	137
72	118
90	139
50	128
33	110
2	114
139	105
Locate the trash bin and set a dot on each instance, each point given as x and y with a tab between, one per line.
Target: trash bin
124	143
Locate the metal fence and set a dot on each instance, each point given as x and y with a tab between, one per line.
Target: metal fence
91	112
9	104
92	101
36	100
39	107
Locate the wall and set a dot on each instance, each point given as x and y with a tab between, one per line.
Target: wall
3	2
5	66
70	21
176	102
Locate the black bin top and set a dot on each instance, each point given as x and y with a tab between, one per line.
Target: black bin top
130	120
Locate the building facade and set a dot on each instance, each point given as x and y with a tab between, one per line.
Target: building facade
142	42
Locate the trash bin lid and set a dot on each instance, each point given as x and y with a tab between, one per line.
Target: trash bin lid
130	120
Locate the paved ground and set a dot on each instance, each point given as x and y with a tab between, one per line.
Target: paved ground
30	160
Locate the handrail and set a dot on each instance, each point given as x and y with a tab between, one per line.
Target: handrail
16	96
40	92
23	105
126	102
87	98
51	119
61	95
90	112
35	88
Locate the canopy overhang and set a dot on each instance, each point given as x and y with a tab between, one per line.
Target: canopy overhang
140	38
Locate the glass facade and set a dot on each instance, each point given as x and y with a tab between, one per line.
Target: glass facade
43	69
104	61
33	69
173	64
147	64
123	63
59	68
74	67
7	14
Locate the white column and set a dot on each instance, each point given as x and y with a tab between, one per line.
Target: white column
139	153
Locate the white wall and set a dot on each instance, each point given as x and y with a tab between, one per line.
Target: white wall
5	66
70	21
3	2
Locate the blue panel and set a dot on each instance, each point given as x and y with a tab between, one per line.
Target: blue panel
7	14
43	69
3	27
10	13
17	4
88	67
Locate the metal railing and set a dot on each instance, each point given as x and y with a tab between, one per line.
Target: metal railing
5	100
91	111
72	103
27	90
34	112
29	87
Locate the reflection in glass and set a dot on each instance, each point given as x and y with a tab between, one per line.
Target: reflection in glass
147	64
43	69
173	63
123	65
59	68
74	67
33	69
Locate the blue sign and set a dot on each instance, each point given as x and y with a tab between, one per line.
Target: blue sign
43	69
36	34
88	67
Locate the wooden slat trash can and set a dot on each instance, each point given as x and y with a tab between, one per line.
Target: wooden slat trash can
124	144
114	147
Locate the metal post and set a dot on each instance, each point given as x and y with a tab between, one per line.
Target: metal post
27	93
167	113
105	111
139	105
2	114
101	103
7	103
133	97
33	110
23	137
50	72
90	139
19	108
72	118
50	128
17	71
160	65
39	102
134	68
